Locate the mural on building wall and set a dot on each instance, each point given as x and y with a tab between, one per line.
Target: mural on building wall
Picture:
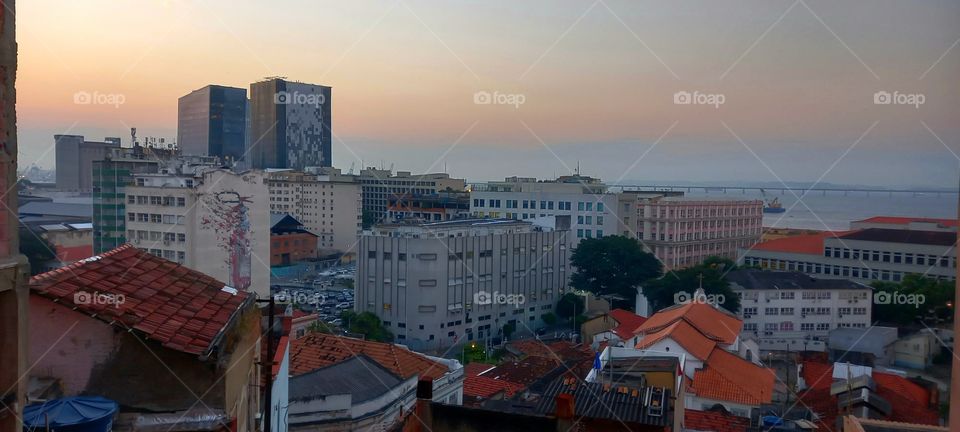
229	218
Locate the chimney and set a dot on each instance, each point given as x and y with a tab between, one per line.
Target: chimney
423	422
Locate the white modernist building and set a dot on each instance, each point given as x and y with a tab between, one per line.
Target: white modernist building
790	311
444	283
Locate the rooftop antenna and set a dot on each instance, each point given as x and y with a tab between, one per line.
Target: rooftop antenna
133	136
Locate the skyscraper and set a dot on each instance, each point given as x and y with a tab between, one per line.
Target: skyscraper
290	124
211	121
74	158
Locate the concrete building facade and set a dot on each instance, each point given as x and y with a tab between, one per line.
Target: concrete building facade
74	158
212	121
683	231
444	283
591	208
790	311
380	185
290	124
216	222
325	201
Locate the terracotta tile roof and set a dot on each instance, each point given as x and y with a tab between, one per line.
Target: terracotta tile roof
73	253
532	347
523	372
475	368
681	332
811	244
711	321
909	401
628	323
183	309
894	220
714	421
730	378
484	387
317	350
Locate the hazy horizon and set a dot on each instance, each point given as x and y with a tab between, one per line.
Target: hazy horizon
598	81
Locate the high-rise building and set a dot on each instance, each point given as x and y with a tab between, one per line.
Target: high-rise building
215	221
290	125
74	158
325	201
444	283
381	185
212	121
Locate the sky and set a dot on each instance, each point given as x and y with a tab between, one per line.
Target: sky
782	90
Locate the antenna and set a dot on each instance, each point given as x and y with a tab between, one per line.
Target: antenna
578	167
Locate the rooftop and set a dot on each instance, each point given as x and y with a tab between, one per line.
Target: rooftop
753	279
714	421
183	309
691	339
627	321
602	401
360	376
932	238
730	378
896	220
523	372
48	208
811	244
713	322
318	350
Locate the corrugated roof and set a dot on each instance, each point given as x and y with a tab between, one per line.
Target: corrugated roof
932	238
183	309
897	220
599	401
56	209
750	279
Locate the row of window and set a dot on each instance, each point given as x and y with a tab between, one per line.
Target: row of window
157	200
682	213
891	257
582	233
834	270
788	326
155	218
156	236
178	256
789	311
533	204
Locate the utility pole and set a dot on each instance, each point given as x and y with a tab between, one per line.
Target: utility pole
268	367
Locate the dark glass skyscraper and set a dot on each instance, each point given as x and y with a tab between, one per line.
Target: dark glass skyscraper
211	121
290	124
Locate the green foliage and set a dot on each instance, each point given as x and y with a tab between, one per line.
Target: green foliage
663	292
933	299
549	318
613	266
367	324
570	305
579	320
321	327
36	249
474	352
369	218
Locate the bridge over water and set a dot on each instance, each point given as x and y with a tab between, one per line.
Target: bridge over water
783	190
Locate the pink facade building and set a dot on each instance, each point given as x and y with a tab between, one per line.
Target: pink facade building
684	231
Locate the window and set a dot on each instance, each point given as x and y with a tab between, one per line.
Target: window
749	311
579	233
580	206
401	257
589	206
806	326
823	326
786	311
599	206
786	326
771	311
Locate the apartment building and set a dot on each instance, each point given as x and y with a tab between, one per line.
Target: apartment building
592	209
325	201
74	160
684	231
864	255
788	310
379	185
443	283
216	222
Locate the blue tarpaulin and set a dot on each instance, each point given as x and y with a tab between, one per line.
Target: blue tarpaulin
70	414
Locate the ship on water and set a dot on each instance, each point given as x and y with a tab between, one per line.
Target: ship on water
771	206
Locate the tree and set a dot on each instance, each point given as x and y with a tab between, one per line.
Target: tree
508	330
613	266
916	297
368	219
680	285
570	305
367	324
549	318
